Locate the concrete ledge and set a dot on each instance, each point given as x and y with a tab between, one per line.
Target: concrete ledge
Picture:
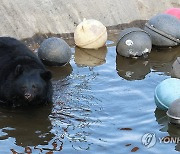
24	19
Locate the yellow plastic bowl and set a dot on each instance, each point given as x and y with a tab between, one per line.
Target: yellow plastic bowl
90	34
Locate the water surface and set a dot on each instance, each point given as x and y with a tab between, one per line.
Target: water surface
103	103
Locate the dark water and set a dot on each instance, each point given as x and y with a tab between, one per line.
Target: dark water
103	104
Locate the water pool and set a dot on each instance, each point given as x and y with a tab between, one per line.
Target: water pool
103	103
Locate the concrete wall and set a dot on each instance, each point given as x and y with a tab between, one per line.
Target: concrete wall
25	18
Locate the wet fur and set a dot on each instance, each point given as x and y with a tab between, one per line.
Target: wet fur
13	54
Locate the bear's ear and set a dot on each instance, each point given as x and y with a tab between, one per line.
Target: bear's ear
18	70
46	75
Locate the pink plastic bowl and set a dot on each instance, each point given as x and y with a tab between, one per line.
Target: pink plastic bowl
174	12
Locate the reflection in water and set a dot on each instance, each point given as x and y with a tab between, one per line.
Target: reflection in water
174	132
172	129
60	72
90	57
132	69
161	60
162	119
72	109
94	110
28	127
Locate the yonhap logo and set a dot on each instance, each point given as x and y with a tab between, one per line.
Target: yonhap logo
148	140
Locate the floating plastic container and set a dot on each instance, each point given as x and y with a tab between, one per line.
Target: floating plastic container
174	12
90	34
133	42
54	52
167	92
176	68
173	112
164	30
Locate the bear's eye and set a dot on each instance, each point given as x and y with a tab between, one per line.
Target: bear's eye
34	87
23	88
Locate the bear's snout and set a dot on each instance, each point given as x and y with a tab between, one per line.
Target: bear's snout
28	96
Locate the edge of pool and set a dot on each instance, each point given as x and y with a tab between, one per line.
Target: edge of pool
24	19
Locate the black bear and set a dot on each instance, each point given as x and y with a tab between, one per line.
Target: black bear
24	80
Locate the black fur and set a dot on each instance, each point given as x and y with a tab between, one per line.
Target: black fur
23	78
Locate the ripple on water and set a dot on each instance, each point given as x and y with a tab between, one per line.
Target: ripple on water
105	108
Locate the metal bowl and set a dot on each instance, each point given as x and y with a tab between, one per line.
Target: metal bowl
133	42
173	112
54	52
176	68
166	92
164	30
174	12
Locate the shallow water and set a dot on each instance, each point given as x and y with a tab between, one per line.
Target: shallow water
103	104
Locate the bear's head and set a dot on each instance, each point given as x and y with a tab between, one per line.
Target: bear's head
31	85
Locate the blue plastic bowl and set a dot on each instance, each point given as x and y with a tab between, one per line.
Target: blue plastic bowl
167	92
